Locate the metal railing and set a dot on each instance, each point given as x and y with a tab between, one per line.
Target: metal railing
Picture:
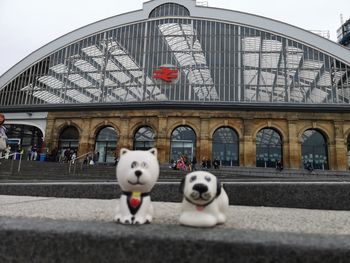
75	161
13	155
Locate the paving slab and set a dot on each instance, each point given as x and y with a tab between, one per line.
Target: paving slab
45	229
239	217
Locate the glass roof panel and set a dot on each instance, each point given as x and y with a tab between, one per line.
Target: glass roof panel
271	46
251	44
51	82
60	69
251	60
92	51
187	41
84	66
78	96
47	97
270	60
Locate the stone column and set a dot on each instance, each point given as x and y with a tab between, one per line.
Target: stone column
249	148
203	143
87	140
340	153
294	145
124	137
161	141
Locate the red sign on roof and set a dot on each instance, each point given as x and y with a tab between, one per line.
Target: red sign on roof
166	74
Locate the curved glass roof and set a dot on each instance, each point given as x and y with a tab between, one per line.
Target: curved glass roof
214	61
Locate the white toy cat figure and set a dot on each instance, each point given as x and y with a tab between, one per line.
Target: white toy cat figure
205	202
137	172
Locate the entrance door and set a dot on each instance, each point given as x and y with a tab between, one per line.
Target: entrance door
183	143
180	148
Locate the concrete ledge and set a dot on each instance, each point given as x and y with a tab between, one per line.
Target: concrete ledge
311	195
39	240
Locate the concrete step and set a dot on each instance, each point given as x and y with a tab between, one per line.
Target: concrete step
52	169
80	230
310	195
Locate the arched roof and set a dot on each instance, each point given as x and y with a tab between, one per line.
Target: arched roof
196	12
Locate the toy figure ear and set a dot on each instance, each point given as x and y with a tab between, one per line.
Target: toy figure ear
153	151
182	185
123	151
218	187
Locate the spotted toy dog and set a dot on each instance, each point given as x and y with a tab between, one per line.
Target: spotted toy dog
205	202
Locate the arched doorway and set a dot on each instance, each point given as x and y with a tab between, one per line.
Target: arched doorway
24	136
183	142
268	148
314	149
106	144
144	138
69	139
226	147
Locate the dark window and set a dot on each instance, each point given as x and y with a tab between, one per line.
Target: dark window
226	147
183	143
268	148
144	139
69	139
314	149
106	144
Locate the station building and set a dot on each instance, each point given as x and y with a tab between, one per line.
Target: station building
190	80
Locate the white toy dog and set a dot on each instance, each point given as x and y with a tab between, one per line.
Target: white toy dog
205	201
137	172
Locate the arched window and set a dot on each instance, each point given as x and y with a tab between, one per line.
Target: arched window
169	9
144	138
348	151
268	148
183	142
69	139
106	144
314	149
226	147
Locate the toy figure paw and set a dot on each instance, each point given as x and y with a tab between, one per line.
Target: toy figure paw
123	220
142	220
117	218
148	219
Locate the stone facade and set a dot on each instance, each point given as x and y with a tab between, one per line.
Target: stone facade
290	125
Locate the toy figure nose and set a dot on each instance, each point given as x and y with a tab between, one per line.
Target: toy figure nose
138	173
201	188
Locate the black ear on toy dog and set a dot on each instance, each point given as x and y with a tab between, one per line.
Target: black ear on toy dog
218	187
182	185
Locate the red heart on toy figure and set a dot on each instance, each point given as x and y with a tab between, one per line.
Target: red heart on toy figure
135	202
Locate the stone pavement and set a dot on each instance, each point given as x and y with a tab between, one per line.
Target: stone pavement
288	220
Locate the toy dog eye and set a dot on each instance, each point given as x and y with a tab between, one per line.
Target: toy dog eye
193	178
207	178
134	164
144	165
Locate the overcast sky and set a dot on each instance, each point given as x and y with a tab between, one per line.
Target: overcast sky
26	25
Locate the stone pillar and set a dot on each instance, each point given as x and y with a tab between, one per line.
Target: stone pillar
203	142
162	143
51	141
340	153
249	147
87	140
294	145
124	139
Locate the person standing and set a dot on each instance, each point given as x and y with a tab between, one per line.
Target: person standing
3	137
34	153
194	162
